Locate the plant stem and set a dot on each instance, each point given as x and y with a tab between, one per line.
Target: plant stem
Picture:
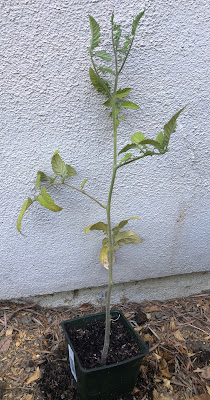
108	210
86	194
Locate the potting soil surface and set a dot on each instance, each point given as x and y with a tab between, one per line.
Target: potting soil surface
34	363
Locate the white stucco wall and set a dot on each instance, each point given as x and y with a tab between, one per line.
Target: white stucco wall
48	103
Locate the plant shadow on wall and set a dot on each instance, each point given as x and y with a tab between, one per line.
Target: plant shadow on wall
104	76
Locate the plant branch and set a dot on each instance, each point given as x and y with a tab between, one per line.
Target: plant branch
127	54
86	194
138	158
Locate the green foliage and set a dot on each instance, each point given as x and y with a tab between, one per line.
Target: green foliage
99	84
137	137
60	168
151	142
106	69
46	201
83	183
126	157
129	104
25	206
121	93
128	147
170	127
95	30
103	55
41	177
136	22
99	226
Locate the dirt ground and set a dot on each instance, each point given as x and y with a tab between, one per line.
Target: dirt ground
33	358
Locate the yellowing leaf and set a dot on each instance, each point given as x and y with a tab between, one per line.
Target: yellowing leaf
34	377
179	336
9	332
26	205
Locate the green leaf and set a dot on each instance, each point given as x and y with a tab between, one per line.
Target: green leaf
108	103
125	237
60	168
104	55
26	205
122	118
129	104
151	142
126	158
170	127
122	93
122	224
105	241
46	201
83	183
95	30
136	22
160	138
99	84
106	69
41	177
99	226
128	147
137	137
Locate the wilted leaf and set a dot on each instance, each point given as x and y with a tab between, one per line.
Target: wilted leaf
34	377
46	201
26	205
125	237
103	256
5	343
99	226
129	104
179	336
172	324
95	30
9	332
122	224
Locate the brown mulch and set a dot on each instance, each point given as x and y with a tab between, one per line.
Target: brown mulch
33	360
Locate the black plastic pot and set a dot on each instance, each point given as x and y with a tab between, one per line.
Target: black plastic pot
108	381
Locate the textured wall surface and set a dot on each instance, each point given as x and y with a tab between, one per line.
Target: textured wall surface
47	103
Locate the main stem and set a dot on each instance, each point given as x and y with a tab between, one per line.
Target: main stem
110	238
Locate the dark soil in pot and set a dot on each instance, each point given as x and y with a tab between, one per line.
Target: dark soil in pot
88	343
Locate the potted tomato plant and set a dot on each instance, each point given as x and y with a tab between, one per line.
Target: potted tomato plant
102	370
